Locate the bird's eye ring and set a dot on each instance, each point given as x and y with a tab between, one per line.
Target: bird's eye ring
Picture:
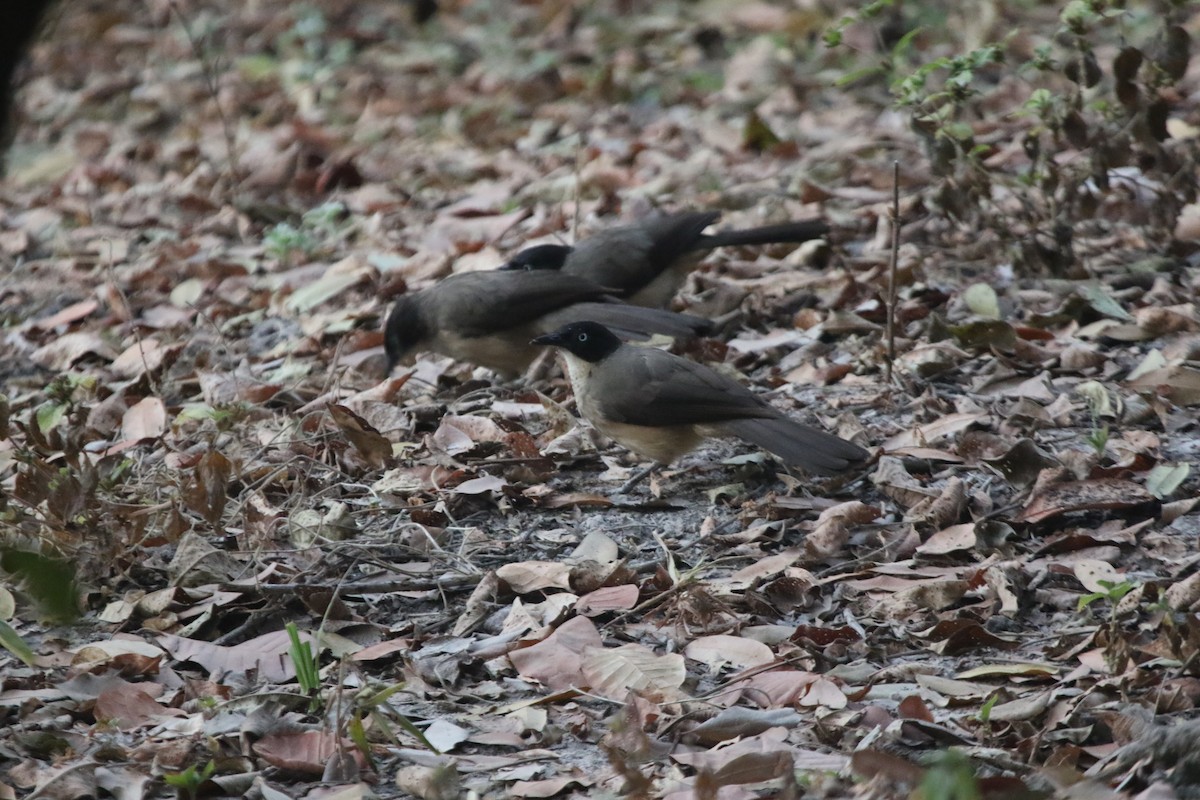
582	337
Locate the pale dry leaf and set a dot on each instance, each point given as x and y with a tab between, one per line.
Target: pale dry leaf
63	351
596	546
614	672
943	427
949	540
721	650
144	356
483	484
266	654
608	598
445	735
147	419
65	316
533	576
1097	576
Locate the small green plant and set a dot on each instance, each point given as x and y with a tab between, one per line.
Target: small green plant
285	240
985	713
373	703
1078	120
308	673
1098	437
1113	592
950	777
321	230
187	783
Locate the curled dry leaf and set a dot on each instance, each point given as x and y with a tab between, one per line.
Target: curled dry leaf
304	752
894	481
742	722
373	446
1022	464
1180	384
833	528
941	510
225	389
1095	495
556	661
459	434
65	316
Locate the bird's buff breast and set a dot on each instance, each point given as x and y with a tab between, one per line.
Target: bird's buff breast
509	355
661	444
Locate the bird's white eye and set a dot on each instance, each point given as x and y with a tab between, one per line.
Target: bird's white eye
582	337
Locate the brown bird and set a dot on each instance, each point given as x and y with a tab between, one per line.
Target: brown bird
661	406
488	318
647	262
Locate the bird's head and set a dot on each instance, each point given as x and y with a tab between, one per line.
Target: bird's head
405	329
589	341
542	256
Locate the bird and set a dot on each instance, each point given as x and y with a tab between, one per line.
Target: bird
488	317
662	406
646	262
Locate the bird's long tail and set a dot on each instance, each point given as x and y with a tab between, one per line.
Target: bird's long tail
799	445
801	231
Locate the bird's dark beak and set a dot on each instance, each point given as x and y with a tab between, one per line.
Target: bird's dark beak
548	338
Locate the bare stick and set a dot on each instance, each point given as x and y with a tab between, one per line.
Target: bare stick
891	296
208	69
579	154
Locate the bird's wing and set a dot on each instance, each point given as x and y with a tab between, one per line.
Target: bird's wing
676	235
628	322
483	303
629	257
647	386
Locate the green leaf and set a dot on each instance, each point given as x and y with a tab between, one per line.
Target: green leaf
49	415
1097	296
982	300
11	641
49	581
757	135
1164	479
986	333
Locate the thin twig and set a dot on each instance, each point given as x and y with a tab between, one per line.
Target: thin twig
578	193
209	71
151	378
891	297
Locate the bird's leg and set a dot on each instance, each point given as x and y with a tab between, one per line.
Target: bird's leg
638	477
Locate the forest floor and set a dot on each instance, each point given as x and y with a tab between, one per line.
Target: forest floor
207	213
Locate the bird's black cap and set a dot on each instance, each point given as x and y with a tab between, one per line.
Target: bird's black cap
542	256
590	341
